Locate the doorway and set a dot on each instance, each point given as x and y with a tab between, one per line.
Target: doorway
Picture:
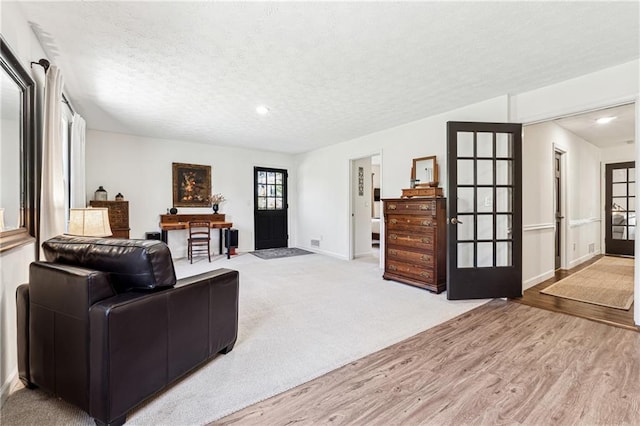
365	210
585	148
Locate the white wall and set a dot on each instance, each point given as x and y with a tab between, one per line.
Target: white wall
323	175
14	264
141	169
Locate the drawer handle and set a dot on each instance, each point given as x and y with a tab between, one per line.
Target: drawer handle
394	221
393	268
425	274
426	257
393	237
426	240
393	252
425	206
392	206
426	222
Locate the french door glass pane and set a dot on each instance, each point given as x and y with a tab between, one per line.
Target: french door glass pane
504	172
632	232
279	204
619	175
504	200
465	172
485	227
632	188
465	229
271	177
504	145
262	177
465	144
619	189
504	255
262	203
262	190
503	226
279	178
485	144
465	255
465	200
632	174
485	172
485	200
485	255
619	203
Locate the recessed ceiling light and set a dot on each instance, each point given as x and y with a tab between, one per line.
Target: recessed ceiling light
605	120
262	110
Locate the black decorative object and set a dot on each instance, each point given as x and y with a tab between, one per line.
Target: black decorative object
215	208
173	210
119	197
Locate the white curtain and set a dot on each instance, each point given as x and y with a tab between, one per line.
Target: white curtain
52	209
78	187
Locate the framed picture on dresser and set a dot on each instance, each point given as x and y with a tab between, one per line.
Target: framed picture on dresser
191	185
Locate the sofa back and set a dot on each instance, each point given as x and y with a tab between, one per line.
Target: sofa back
131	264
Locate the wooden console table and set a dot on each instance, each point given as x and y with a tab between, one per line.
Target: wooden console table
170	222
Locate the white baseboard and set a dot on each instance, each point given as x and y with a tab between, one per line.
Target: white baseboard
582	259
6	386
325	252
537	279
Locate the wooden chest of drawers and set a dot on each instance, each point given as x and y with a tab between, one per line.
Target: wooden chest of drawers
416	242
118	216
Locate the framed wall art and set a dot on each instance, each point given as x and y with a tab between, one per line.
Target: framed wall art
191	185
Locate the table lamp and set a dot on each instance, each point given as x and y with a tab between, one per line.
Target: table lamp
89	222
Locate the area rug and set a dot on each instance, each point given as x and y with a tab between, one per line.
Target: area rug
607	282
276	253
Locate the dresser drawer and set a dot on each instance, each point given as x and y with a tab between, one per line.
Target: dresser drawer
427	207
410	223
413	257
423	242
410	271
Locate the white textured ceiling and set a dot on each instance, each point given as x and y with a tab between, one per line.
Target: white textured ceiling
617	132
328	71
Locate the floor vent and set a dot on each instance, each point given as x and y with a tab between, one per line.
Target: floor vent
592	247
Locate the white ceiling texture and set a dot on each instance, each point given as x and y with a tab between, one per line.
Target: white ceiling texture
327	71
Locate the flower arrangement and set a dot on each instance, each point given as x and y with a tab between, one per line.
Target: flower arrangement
216	198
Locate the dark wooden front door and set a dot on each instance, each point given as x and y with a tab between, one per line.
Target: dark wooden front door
620	206
270	208
484	210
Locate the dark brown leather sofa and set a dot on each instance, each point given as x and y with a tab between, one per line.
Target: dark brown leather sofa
104	324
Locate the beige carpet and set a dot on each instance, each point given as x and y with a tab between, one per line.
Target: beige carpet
607	282
300	317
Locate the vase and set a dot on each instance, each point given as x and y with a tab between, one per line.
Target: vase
215	208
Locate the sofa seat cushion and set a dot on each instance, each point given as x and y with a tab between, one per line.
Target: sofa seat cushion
132	264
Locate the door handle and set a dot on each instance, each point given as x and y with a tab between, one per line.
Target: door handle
455	221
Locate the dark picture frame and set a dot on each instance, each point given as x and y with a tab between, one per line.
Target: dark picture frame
191	185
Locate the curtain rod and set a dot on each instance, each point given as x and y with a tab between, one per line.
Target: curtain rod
43	63
46	64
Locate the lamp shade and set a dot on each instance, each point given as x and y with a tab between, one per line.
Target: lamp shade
89	222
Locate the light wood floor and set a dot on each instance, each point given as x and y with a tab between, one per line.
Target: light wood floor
612	316
502	363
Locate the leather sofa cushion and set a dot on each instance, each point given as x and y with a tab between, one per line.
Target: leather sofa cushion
132	264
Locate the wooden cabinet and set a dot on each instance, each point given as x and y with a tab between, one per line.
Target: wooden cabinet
118	216
416	242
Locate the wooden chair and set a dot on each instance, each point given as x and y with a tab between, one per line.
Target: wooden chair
199	239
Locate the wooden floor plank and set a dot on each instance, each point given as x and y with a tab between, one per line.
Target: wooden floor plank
502	363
